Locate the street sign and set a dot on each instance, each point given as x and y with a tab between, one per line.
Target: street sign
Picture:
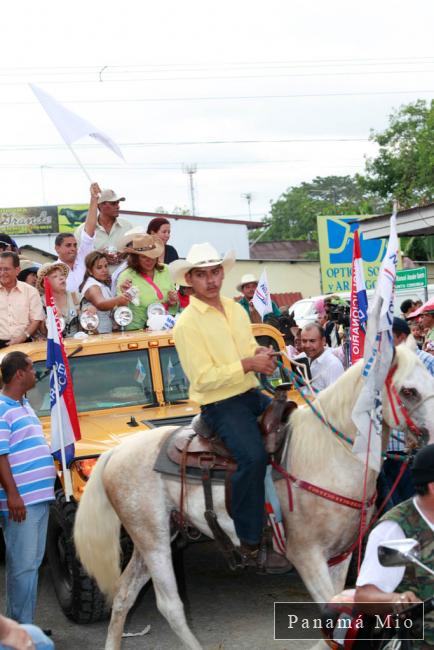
411	278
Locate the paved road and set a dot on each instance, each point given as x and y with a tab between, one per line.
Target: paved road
226	611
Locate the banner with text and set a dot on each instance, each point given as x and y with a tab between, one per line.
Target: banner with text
336	240
40	220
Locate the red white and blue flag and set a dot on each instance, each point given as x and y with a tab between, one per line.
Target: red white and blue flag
64	416
378	356
359	304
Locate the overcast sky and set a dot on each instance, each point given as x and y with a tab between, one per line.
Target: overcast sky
258	95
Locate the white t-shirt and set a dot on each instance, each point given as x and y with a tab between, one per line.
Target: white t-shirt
372	572
105	322
325	369
76	274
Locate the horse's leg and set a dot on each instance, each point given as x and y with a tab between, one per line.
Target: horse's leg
133	578
338	574
160	567
313	570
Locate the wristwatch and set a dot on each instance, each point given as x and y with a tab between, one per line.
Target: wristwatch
27	335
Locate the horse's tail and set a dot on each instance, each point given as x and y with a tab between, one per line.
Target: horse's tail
97	531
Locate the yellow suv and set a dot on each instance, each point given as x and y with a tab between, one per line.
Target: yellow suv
124	383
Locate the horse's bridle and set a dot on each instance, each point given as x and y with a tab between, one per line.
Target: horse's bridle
393	396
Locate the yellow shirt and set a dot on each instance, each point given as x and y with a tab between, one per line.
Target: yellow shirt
210	347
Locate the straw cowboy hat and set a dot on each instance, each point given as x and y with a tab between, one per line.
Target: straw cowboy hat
147	245
246	279
48	268
127	237
199	256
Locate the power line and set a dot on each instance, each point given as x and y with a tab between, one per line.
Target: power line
126	100
53	147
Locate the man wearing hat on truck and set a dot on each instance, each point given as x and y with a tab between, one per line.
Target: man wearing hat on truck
247	287
220	357
402	586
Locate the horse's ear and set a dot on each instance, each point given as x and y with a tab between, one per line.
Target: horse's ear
410	342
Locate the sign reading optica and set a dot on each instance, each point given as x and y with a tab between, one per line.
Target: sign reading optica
336	238
411	278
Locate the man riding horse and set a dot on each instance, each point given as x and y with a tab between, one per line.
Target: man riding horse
220	357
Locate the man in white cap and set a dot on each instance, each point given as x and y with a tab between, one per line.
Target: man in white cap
247	287
110	228
220	357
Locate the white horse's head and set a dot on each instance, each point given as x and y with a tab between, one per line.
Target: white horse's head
415	391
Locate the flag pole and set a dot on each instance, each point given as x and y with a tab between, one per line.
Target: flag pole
66	471
80	164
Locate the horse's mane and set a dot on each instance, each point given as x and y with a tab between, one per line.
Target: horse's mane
311	440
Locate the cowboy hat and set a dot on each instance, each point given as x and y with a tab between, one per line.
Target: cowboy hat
198	257
127	237
48	268
428	306
147	245
247	278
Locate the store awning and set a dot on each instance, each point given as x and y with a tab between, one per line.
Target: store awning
414	221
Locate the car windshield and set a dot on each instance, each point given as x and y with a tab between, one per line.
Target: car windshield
101	381
303	309
175	383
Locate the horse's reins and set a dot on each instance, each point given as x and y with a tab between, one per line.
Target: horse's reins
332	496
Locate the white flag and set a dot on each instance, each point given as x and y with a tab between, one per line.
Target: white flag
262	297
367	412
71	126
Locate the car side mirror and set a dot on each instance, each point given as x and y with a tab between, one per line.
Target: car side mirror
399	552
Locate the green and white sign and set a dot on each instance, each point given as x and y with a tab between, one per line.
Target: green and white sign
411	278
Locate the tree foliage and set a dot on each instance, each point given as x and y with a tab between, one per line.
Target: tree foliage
402	170
293	215
404	166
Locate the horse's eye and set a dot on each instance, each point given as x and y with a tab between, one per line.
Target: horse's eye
409	393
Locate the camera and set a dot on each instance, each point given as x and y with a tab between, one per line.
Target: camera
339	313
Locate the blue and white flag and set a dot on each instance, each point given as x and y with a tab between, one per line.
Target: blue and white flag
140	374
262	297
367	412
65	427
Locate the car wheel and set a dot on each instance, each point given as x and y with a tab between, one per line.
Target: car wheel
78	595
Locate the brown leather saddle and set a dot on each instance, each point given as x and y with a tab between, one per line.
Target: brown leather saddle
195	445
195	451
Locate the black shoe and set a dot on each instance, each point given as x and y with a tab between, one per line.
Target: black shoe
48	632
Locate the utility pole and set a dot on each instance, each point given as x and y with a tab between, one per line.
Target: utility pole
191	170
248	197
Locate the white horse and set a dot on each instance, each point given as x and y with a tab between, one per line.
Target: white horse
124	488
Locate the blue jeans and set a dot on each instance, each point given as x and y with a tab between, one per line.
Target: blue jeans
235	422
40	640
404	489
25	546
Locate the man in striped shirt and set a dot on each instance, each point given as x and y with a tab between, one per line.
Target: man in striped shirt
27	477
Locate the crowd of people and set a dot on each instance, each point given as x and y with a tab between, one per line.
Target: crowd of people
105	264
108	264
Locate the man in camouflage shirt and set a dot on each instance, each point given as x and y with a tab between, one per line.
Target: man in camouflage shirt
405	585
